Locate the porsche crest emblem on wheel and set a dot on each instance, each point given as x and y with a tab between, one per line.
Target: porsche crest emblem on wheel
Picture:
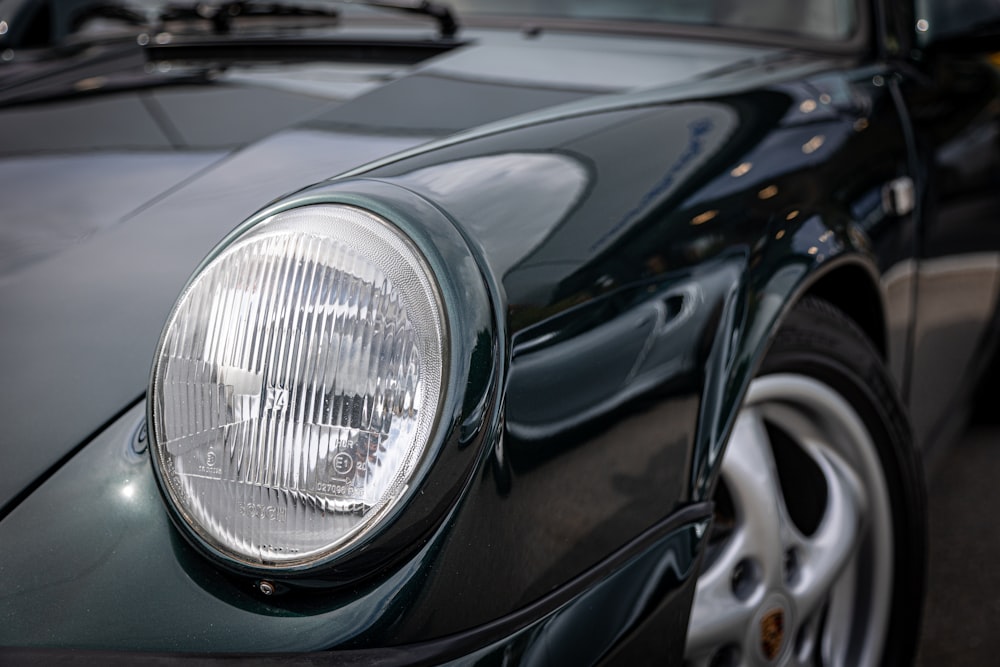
772	633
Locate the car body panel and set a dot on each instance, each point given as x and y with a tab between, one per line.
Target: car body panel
92	561
553	264
134	253
766	230
632	300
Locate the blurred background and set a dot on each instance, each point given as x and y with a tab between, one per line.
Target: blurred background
962	613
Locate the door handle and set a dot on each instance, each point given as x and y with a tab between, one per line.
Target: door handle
899	196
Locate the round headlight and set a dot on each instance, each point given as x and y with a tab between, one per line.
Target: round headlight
296	385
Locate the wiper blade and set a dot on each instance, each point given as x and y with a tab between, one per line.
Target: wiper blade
222	15
438	11
74	14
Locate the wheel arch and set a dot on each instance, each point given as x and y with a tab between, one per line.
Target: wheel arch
849	281
820	344
852	286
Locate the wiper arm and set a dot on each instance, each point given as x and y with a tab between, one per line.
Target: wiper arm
221	15
438	11
70	15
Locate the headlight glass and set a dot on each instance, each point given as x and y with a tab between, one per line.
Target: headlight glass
297	383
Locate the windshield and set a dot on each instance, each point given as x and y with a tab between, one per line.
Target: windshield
824	19
827	20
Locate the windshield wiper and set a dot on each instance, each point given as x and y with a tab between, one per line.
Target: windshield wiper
74	14
438	11
222	15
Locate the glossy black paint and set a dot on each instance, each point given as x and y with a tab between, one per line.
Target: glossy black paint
630	278
635	251
142	173
196	602
135	260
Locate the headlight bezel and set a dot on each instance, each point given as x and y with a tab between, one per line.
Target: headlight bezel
466	402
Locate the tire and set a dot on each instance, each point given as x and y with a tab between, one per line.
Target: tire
817	552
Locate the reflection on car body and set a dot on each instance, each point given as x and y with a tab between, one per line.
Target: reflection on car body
492	333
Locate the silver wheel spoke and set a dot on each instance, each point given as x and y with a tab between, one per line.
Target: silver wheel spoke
720	616
824	554
752	476
805	647
839	620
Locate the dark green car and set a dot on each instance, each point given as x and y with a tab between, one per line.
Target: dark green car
501	332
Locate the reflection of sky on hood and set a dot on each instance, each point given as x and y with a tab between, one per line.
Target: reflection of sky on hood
89	193
83	195
544	187
572	61
539	215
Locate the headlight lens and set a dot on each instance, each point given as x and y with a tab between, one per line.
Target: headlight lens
297	383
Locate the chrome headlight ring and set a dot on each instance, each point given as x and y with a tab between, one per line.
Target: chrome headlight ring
298	387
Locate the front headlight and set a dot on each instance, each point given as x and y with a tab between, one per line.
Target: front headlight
296	385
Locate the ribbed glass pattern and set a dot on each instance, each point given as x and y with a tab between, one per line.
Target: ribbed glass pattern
296	384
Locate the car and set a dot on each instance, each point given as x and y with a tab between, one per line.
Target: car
490	333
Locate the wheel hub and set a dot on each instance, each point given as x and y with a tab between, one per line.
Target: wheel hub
772	625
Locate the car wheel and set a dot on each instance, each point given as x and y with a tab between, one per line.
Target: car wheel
816	555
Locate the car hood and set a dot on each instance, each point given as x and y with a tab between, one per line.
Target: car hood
119	173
